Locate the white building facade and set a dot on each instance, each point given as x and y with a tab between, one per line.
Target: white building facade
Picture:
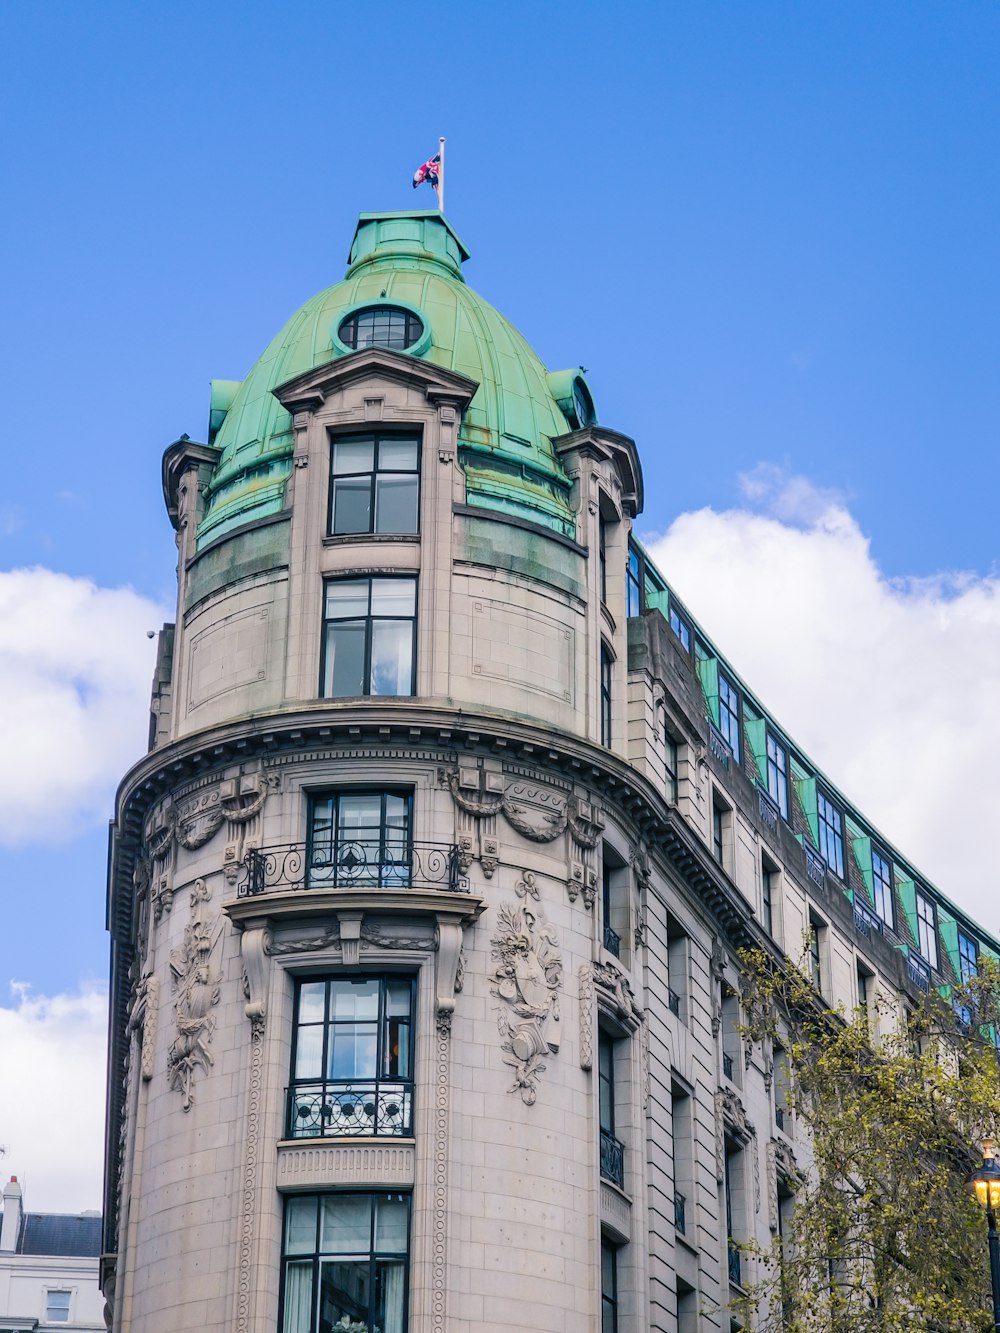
49	1265
426	901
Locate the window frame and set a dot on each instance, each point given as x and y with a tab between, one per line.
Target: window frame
387	856
385	1088
882	888
730	717
929	921
61	1318
317	1255
768	879
369	620
373	310
633	583
778	789
671	766
827	830
606	694
968	957
378	438
680	627
609	1300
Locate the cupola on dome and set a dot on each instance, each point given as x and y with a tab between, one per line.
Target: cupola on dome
404	291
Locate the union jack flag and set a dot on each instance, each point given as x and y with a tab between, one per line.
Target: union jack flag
428	172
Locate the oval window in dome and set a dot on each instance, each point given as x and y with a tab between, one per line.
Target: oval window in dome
381	326
583	405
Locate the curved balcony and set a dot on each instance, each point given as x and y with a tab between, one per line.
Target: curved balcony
352	866
357	1108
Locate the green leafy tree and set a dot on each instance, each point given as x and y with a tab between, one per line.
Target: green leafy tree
884	1235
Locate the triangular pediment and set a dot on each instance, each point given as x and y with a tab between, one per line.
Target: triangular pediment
308	391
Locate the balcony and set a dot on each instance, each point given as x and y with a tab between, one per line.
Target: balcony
679	1207
612	1160
768	810
352	865
815	866
612	941
865	921
918	972
349	1110
719	746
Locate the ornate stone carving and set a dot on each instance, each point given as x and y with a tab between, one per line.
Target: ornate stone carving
311	944
439	1231
246	1292
192	821
527	886
614	992
732	1122
585	976
255	948
143	1016
449	953
196	990
526	980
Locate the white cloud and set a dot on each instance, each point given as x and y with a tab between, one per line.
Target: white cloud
52	1097
75	673
889	685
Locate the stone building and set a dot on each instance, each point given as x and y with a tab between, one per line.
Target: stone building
425	900
49	1265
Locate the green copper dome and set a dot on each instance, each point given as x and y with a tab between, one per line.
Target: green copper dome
411	261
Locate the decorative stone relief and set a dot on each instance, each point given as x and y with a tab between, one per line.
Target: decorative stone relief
585	976
255	948
731	1120
614	992
538	812
781	1165
439	1229
196	991
143	1016
526	980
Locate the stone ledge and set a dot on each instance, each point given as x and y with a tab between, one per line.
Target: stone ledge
352	1162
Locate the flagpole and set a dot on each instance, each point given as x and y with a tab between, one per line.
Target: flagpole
440	188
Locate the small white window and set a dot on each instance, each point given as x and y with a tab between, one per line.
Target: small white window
57	1306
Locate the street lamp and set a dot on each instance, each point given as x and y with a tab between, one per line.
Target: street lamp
985	1184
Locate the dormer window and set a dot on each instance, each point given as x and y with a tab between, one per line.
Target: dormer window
381	326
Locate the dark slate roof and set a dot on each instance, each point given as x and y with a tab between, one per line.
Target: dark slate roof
65	1234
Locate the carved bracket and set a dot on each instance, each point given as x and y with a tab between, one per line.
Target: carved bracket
255	948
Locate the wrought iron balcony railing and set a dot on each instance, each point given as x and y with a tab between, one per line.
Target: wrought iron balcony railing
866	922
680	1203
919	972
353	865
768	809
612	1159
815	866
327	1110
612	941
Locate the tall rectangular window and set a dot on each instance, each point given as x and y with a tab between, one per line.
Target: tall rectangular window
968	957
602	556
927	930
731	1180
729	715
359	839
369	632
817	939
352	1058
831	834
345	1261
670	764
606	669
777	774
882	886
633	584
768	893
374	483
612	1153
609	1287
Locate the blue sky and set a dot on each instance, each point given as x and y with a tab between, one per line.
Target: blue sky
768	231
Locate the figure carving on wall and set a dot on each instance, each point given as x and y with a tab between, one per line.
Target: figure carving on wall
196	991
526	979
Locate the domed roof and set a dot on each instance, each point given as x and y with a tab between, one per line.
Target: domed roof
411	261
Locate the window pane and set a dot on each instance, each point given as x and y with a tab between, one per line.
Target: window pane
395	505
346	1224
390	1226
312	1002
397	455
298	1296
392	657
353	455
360	814
393	597
345	660
391	1296
347	598
352	505
397	1000
353	999
309	1052
353	1051
300	1225
344	1289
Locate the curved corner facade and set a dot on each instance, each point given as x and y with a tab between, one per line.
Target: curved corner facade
425	902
